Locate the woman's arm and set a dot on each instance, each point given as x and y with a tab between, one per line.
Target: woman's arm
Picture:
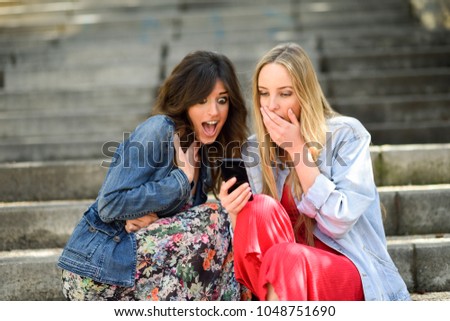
129	190
338	201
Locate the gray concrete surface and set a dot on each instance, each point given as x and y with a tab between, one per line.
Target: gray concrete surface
66	69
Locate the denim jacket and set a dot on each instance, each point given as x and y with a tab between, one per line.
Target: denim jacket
345	203
141	179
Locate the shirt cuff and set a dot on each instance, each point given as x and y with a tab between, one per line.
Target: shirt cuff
316	197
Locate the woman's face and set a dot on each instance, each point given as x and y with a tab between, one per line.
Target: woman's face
209	115
276	91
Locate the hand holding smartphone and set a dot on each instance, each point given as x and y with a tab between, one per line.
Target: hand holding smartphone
234	167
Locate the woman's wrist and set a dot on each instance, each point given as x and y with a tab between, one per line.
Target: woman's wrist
297	152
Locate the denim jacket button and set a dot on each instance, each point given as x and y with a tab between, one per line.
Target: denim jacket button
91	229
116	238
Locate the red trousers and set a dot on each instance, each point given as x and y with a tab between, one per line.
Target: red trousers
265	252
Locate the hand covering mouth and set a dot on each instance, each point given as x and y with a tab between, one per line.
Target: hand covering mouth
209	127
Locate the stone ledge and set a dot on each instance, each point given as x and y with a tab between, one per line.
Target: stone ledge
33	274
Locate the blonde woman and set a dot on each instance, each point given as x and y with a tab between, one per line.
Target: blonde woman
314	229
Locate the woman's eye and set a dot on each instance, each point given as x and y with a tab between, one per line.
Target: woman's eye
263	93
286	94
203	101
222	100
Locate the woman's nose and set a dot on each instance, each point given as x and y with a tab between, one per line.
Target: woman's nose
213	109
273	105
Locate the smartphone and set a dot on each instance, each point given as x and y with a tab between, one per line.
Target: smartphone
234	167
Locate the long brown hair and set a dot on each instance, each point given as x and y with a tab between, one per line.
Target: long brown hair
191	81
315	109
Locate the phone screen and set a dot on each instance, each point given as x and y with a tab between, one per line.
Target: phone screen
234	167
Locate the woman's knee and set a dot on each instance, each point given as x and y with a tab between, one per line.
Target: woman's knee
263	223
286	252
263	209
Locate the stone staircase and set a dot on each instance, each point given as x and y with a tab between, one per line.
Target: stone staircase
77	76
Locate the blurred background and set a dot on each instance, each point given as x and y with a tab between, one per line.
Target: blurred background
77	76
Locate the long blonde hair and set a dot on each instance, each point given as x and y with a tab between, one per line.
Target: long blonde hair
315	109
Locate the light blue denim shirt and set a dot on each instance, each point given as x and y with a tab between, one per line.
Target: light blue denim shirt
345	204
141	179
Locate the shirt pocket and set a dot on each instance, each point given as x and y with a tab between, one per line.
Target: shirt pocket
85	240
388	275
380	261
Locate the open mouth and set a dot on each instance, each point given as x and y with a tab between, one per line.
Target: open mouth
209	127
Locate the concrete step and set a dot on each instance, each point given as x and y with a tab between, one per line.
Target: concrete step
29	46
36	19
243	53
51	180
30	275
19	9
393	82
120	5
83	35
382	38
364	38
59	148
39	225
385	83
30	34
307	13
236	18
351	60
66	54
386	60
9	55
99	99
402	109
321	20
58	180
352	5
68	14
415	164
276	23
422	261
358	83
423	132
276	17
24	47
84	109
33	275
104	75
411	119
308	5
69	123
158	25
431	296
410	210
196	6
416	210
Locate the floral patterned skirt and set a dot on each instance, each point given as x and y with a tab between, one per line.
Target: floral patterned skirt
184	257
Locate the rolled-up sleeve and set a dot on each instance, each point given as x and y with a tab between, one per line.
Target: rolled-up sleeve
338	199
